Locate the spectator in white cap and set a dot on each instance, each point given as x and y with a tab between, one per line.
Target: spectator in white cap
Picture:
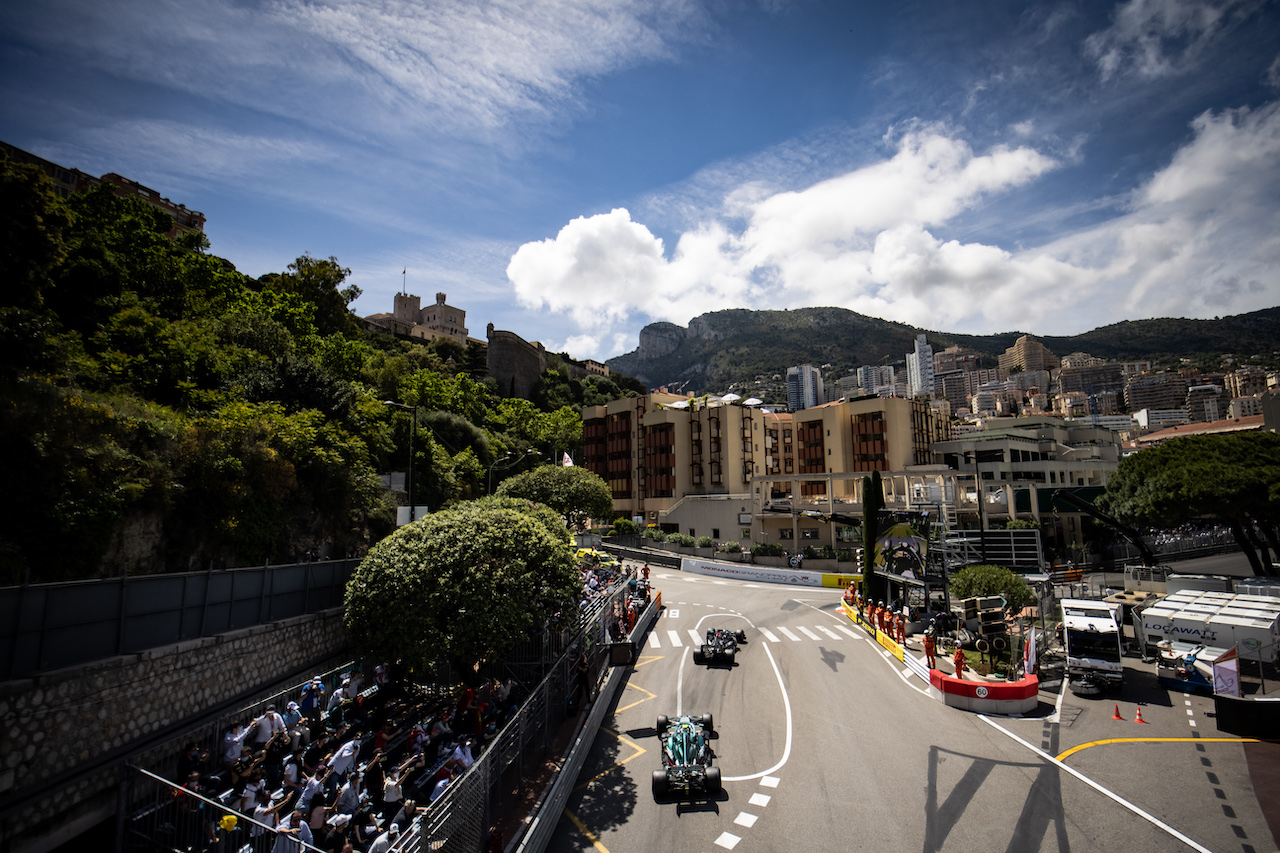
299	734
383	842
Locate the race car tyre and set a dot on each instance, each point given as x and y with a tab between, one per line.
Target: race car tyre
729	656
706	652
713	781
660	783
661	725
708	722
741	636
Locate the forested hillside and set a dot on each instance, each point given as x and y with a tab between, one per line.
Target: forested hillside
731	348
164	412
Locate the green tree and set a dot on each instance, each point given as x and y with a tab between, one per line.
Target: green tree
462	585
575	493
319	284
872	503
1233	479
973	581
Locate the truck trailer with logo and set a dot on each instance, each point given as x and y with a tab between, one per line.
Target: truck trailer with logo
1091	636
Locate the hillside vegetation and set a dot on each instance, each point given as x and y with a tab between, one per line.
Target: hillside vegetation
730	349
162	411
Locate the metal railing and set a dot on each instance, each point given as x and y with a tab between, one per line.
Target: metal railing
469	812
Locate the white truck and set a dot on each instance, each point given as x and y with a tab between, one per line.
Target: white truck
1091	636
1218	621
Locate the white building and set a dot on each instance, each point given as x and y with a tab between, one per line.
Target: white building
804	387
920	368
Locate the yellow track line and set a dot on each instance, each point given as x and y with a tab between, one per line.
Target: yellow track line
1073	750
595	842
639	751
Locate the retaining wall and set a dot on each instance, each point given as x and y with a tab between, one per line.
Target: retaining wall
63	733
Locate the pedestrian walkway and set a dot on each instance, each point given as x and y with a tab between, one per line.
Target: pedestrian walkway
675	638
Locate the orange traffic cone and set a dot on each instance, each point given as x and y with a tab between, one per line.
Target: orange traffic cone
1138	719
1116	715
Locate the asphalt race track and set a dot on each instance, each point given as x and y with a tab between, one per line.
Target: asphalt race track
825	745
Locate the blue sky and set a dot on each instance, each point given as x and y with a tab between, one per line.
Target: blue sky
572	170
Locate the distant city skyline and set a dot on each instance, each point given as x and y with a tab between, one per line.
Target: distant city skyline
573	170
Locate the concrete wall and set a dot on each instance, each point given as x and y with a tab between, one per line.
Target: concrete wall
82	721
514	363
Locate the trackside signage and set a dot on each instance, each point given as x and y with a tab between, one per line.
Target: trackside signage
739	571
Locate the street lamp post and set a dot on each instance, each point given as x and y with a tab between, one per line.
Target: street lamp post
511	460
413	427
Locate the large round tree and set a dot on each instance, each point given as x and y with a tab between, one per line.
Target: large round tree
462	585
575	493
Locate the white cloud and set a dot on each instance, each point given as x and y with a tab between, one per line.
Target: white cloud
1201	237
449	67
1158	38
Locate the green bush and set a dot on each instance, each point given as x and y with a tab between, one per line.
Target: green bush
706	542
625	527
682	539
819	552
654	534
767	549
731	547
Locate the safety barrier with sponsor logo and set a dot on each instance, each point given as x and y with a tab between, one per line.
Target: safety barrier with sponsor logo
986	697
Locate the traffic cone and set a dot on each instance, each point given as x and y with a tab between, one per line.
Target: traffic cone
1116	715
1138	719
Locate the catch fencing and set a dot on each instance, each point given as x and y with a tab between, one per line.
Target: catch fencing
466	816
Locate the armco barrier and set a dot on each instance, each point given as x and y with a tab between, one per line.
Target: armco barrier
745	572
543	824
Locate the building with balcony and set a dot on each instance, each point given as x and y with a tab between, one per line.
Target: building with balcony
697	465
1156	391
1028	354
68	182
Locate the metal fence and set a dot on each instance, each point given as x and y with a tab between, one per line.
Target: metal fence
156	816
469	812
50	626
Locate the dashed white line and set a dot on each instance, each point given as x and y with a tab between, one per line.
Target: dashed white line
675	638
745	819
654	642
769	635
759	800
790	635
849	631
809	634
728	840
697	638
832	634
770	781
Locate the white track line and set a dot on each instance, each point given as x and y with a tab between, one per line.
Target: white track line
1092	784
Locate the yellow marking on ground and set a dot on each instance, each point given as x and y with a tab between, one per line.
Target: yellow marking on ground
1073	750
640	750
582	827
646	698
644	659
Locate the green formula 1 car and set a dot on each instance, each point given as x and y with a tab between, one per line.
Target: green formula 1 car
686	759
